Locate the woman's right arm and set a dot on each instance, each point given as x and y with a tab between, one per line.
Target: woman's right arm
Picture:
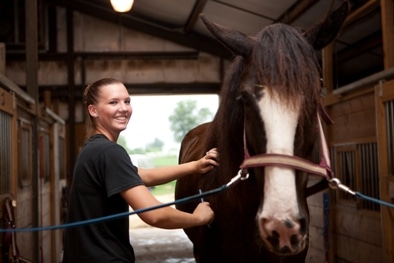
139	197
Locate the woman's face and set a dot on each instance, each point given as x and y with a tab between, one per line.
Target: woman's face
112	111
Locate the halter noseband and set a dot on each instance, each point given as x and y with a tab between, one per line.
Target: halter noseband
322	169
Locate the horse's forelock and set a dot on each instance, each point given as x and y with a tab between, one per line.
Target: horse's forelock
284	60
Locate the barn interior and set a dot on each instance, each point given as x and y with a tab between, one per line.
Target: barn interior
51	49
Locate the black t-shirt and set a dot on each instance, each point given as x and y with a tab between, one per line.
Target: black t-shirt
102	170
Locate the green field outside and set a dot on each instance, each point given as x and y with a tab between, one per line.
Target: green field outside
169	187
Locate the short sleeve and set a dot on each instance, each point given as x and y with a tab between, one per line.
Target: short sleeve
119	172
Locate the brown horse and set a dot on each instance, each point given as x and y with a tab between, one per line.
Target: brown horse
268	104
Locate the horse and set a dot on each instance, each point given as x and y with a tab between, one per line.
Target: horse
268	104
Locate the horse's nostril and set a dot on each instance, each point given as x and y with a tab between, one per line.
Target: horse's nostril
274	239
283	236
295	242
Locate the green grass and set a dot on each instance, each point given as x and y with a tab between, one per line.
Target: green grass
164	189
168	188
165	160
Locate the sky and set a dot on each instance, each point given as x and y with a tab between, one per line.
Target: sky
150	118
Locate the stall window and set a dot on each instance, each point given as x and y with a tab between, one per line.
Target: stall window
25	154
5	152
62	159
45	161
356	165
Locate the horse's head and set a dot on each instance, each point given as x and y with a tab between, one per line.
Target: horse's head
280	89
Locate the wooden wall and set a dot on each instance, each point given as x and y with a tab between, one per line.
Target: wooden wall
362	158
33	206
318	227
353	228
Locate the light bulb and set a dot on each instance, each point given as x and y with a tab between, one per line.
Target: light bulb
122	6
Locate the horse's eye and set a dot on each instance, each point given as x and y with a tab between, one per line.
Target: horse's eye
259	90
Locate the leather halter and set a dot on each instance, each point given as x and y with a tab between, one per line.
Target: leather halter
274	159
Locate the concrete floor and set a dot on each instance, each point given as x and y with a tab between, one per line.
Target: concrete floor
154	245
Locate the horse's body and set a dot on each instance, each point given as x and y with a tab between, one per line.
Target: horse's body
269	100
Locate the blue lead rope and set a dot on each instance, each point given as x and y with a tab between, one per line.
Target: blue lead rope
116	216
360	195
333	183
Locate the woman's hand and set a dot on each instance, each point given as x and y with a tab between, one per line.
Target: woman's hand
208	162
205	213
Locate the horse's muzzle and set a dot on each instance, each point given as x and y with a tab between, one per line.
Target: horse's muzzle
283	237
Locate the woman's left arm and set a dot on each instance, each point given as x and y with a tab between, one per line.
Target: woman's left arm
162	175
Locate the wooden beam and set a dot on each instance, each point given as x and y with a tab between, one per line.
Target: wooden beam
327	66
387	11
145	55
61	92
194	15
72	148
196	41
31	34
361	11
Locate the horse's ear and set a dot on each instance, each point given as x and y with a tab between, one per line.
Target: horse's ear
237	42
326	31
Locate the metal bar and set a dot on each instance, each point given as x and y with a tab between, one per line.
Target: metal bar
374	78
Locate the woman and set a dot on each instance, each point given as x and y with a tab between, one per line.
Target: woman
106	182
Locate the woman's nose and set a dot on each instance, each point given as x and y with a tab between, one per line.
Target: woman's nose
124	106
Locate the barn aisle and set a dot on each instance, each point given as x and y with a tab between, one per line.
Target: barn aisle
154	245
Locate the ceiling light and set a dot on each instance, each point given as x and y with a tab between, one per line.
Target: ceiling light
122	6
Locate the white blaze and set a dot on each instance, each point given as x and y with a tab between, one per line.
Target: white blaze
280	197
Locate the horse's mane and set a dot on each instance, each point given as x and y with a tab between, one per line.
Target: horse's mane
226	130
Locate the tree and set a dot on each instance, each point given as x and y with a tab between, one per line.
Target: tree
123	142
155	146
185	117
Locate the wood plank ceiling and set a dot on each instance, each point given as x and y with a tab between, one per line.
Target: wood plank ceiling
178	21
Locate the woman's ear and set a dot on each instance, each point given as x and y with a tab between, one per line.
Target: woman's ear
92	111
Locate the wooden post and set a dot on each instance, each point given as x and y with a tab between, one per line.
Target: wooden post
31	22
327	62
384	93
387	11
